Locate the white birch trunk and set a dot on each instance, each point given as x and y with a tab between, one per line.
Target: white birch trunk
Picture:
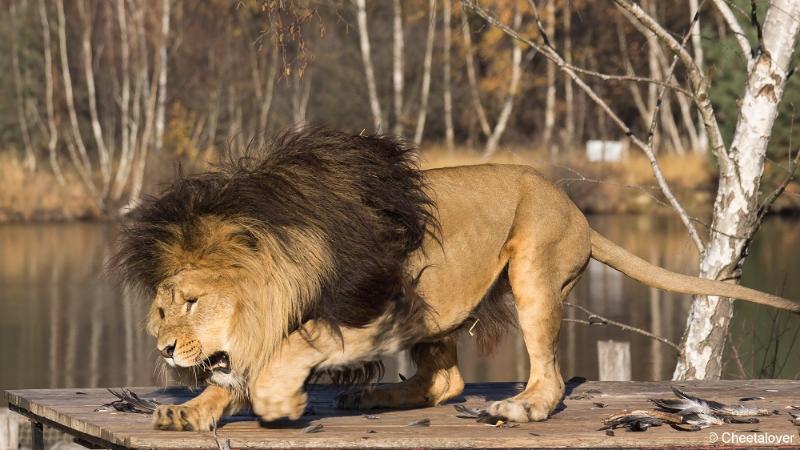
426	74
269	92
162	76
448	94
369	72
513	87
150	97
300	97
736	205
472	77
697	46
550	95
397	66
569	96
123	166
52	129
97	129
29	163
77	150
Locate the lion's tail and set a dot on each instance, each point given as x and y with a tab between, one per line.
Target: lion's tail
631	265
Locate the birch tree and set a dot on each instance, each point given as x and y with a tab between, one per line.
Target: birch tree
737	208
446	88
369	71
77	148
550	95
97	128
397	66
52	129
422	114
493	133
29	162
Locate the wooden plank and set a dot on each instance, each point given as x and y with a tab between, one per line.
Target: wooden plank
574	425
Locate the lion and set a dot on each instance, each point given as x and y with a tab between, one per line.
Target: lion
327	250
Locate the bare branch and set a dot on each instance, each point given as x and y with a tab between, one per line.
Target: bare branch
595	319
727	14
696	76
648	151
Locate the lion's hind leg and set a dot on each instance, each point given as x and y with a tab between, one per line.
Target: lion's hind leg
437	380
539	308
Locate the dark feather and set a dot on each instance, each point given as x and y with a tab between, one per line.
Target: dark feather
130	402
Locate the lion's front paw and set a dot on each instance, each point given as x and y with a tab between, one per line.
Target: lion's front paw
269	406
182	418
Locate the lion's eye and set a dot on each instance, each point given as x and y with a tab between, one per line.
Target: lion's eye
190	302
161	312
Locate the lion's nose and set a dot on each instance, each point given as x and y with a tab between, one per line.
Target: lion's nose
167	351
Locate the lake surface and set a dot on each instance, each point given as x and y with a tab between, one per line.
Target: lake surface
62	324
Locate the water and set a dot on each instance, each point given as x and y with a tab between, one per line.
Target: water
62	324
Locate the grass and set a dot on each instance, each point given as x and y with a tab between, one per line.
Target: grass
37	196
623	187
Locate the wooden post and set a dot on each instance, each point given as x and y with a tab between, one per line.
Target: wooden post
9	429
614	360
37	435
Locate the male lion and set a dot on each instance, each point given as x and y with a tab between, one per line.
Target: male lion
329	250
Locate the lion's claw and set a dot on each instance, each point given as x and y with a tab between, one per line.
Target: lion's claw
181	418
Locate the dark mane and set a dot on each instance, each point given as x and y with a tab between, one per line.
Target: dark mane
363	195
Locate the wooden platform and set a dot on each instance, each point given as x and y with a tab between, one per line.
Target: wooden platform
574	425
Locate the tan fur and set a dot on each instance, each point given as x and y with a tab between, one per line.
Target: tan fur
493	218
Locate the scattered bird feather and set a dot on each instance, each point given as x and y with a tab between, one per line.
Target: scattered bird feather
687	404
480	415
749	399
639	420
314	428
371	417
420	423
130	402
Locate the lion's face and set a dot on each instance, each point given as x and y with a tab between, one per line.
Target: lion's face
191	319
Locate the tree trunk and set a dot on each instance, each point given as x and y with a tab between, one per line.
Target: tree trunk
366	56
550	95
569	96
397	67
52	129
472	77
426	74
736	207
97	129
80	158
513	86
269	92
123	166
163	65
29	163
151	98
448	94
697	47
301	93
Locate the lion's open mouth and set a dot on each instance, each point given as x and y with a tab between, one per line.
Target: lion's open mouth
218	362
